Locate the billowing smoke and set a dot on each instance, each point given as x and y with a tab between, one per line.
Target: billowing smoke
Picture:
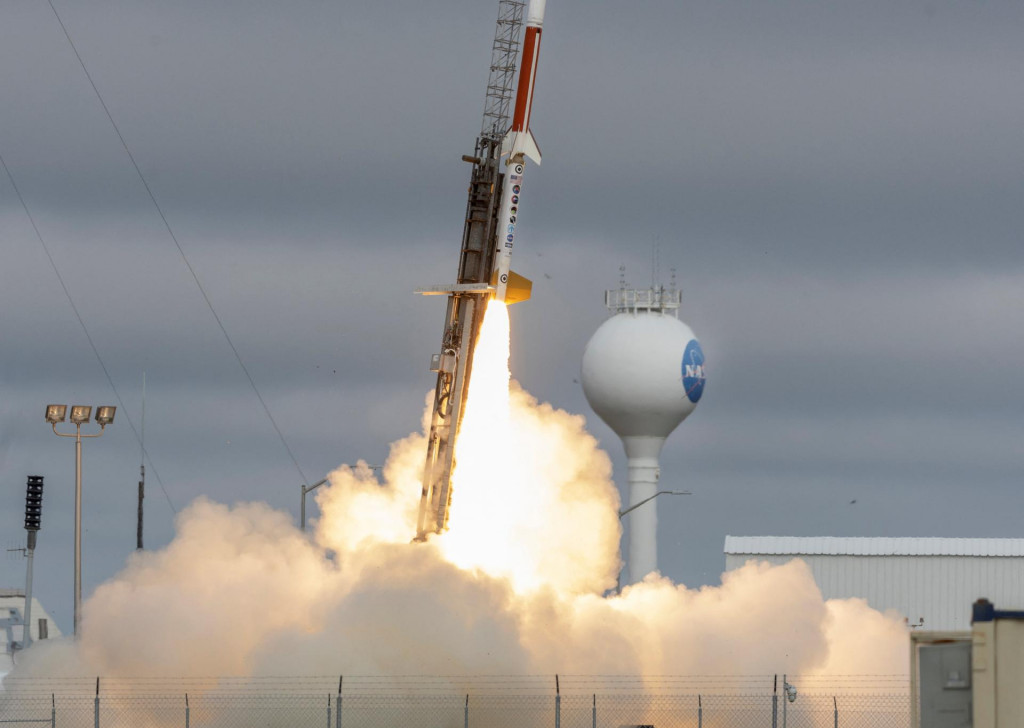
518	585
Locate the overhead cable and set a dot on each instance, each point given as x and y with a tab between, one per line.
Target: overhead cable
85	330
167	225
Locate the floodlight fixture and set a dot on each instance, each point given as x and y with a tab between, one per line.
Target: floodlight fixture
105	415
56	413
80	413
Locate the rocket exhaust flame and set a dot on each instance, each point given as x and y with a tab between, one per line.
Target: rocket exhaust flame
482	476
496	524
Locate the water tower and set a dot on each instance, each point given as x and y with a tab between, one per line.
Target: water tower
643	373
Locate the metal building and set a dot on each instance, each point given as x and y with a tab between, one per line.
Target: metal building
931	579
12	625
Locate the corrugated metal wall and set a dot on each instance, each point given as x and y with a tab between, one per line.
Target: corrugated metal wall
939	588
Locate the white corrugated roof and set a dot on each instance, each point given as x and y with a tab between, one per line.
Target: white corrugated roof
859	546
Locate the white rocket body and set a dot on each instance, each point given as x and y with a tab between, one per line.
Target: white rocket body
517	146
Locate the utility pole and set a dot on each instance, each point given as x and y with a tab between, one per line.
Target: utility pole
302	506
142	468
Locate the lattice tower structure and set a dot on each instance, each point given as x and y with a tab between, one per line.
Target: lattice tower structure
504	53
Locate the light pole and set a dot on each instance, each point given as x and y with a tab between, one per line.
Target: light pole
33	522
618	579
650	498
310	488
302	510
80	415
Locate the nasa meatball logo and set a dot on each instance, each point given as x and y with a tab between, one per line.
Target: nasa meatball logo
693	371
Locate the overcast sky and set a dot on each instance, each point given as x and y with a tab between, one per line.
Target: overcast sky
839	186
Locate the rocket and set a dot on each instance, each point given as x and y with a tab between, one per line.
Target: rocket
487	238
517	146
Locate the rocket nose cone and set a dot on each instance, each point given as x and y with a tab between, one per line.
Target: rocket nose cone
535	13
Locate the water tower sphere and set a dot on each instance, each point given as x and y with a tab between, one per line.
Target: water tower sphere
643	374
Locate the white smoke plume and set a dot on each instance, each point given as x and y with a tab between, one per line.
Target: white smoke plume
518	585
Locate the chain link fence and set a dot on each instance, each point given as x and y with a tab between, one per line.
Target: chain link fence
458	702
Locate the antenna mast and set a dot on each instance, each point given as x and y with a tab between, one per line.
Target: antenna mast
142	467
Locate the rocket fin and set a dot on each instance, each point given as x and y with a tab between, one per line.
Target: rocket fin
529	147
518	288
521	142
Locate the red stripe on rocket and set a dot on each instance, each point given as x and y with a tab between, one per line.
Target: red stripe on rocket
519	139
517	146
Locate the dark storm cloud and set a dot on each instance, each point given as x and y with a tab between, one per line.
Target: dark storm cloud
837	185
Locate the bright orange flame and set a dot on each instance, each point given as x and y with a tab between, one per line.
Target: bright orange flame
524	501
491	500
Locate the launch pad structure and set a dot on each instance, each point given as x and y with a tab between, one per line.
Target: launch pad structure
487	238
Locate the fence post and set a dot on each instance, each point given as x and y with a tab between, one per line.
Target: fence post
700	712
466	719
594	717
188	716
835	712
558	704
53	711
337	712
785	701
328	710
96	706
775	703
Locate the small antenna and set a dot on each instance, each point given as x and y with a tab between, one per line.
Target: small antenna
142	467
673	288
622	277
142	438
655	260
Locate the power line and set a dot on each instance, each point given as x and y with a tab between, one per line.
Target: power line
85	329
184	257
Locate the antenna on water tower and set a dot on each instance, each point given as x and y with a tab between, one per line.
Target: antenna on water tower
643	374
